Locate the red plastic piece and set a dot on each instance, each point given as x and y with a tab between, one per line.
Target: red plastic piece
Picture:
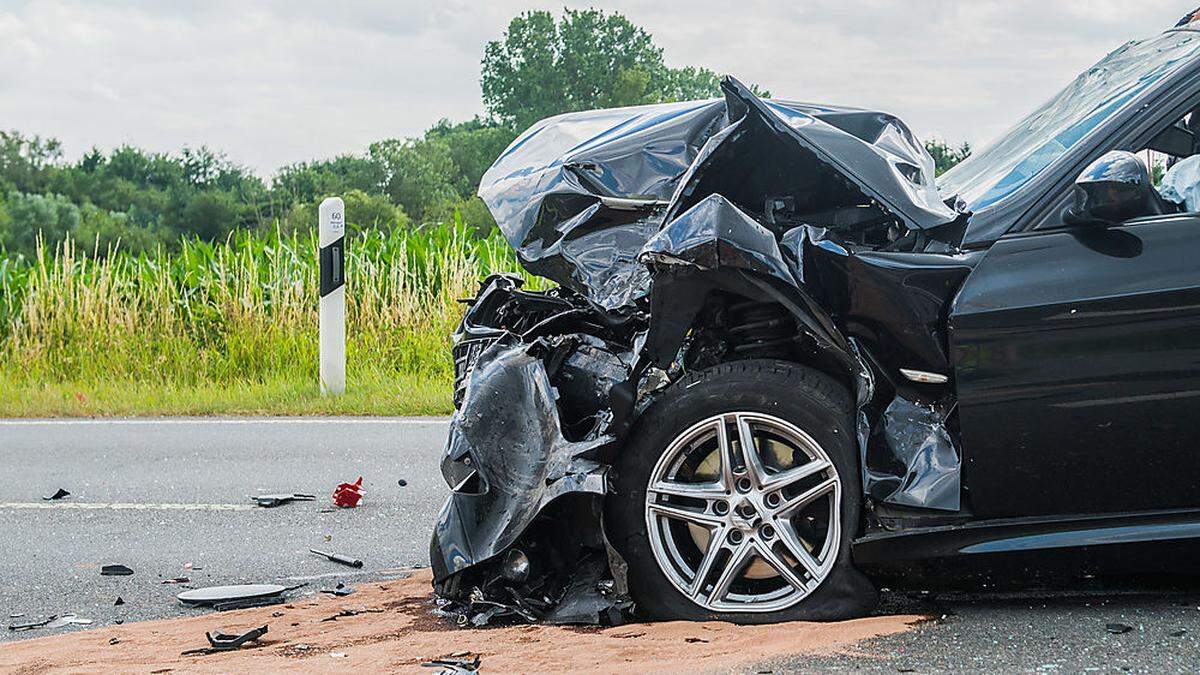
347	495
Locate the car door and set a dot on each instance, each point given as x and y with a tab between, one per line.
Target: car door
1077	364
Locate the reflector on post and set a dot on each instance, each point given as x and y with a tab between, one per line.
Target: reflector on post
332	238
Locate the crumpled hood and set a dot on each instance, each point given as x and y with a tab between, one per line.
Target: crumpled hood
577	195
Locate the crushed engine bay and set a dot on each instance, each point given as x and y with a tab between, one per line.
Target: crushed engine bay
682	236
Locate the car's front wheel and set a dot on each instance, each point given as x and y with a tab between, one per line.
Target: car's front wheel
737	498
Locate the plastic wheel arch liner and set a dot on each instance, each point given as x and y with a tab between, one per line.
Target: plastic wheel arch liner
509	432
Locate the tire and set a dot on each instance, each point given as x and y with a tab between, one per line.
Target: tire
780	398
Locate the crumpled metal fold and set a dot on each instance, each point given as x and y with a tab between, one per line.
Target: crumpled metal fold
578	194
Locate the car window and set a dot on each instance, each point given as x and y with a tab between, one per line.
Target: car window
1041	138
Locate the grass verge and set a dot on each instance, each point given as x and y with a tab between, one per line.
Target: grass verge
370	395
231	327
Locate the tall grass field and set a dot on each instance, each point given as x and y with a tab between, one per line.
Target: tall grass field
231	327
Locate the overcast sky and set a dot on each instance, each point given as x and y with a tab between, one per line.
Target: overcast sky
274	82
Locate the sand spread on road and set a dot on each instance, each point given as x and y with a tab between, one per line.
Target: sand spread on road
398	633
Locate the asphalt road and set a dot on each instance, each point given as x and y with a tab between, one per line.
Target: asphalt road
156	494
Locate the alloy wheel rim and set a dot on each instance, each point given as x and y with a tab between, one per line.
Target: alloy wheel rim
743	513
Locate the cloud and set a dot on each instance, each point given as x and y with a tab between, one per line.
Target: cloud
281	81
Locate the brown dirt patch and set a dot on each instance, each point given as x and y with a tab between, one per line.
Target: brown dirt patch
404	634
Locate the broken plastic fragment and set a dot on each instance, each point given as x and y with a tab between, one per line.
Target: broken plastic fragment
120	601
68	620
30	625
223	641
1118	628
912	460
352	612
451	665
347	495
213	595
61	494
115	571
271	501
341	590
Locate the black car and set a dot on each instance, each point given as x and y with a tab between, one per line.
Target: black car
782	361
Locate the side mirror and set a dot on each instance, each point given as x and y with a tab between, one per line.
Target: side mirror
1113	189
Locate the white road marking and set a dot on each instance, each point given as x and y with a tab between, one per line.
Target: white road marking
126	506
218	420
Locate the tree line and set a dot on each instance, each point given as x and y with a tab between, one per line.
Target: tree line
543	65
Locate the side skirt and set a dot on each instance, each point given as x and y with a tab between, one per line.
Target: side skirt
1023	552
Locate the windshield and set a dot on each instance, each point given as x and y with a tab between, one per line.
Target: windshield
1037	141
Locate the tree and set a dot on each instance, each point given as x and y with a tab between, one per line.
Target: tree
418	174
588	59
25	162
30	216
312	181
473	145
208	215
363	212
946	156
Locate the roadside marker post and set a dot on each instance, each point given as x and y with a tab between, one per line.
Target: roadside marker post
332	240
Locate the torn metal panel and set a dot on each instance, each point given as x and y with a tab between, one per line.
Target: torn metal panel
895	301
912	460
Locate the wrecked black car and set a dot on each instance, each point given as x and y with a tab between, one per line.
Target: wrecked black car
782	361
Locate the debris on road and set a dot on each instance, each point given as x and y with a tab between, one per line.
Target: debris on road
61	494
243	596
68	620
120	601
454	666
404	634
1118	628
347	495
30	625
271	501
222	641
338	558
352	612
114	641
115	571
341	590
177	580
402	483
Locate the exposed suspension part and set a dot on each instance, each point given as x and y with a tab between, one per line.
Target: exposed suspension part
760	329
